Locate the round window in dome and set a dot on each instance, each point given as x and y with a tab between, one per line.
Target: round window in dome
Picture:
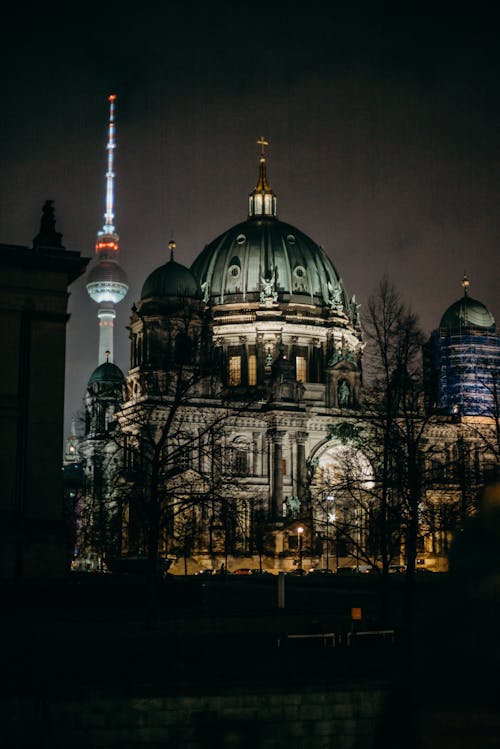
299	271
234	271
290	239
241	239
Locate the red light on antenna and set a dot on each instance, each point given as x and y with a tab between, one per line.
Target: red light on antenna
111	97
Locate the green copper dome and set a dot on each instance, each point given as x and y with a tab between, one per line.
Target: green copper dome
107	373
265	255
171	279
468	313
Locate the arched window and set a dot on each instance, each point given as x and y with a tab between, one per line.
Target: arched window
234	370
241	454
252	369
241	462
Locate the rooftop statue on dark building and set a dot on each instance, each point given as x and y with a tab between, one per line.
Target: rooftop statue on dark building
48	236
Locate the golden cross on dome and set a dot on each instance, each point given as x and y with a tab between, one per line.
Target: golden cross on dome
262	143
465	284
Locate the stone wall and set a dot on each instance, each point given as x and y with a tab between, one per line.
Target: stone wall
344	717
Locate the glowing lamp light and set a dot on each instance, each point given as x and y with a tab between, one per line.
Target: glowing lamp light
300	531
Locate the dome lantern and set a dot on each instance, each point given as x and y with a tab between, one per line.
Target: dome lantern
262	201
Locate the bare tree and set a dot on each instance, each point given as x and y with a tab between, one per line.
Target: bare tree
389	508
165	461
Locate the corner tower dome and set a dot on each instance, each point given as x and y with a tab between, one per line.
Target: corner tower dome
264	260
170	280
467	313
107	374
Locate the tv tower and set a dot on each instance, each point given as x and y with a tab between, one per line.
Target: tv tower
107	281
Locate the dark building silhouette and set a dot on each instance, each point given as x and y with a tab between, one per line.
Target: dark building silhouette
33	315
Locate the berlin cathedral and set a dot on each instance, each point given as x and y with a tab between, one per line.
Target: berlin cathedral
241	434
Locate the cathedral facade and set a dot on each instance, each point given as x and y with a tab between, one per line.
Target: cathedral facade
240	436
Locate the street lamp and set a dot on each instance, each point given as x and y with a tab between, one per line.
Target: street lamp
329	498
300	531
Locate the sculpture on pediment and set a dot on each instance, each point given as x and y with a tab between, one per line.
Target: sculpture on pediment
48	236
335	296
344	353
205	292
355	310
344	394
268	293
292	507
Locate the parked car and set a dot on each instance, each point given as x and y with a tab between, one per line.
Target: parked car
205	573
360	569
260	572
320	573
298	573
397	569
346	571
242	571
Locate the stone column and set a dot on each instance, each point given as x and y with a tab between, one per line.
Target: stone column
277	489
301	471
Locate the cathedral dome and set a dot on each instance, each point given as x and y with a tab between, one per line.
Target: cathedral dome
237	264
107	373
467	313
265	259
170	279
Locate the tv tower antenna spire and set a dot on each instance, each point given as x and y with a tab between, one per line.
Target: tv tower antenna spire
107	282
109	216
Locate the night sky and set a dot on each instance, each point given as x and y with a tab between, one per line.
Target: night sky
384	125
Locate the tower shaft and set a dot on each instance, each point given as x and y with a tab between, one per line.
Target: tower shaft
106	315
107	282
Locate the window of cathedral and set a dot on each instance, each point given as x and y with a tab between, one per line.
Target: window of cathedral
437	470
183	457
241	454
139	351
241	461
252	369
183	348
234	371
301	369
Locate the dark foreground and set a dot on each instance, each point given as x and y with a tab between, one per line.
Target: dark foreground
222	665
228	628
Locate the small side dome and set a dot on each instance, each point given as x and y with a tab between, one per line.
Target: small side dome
467	313
107	373
171	279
